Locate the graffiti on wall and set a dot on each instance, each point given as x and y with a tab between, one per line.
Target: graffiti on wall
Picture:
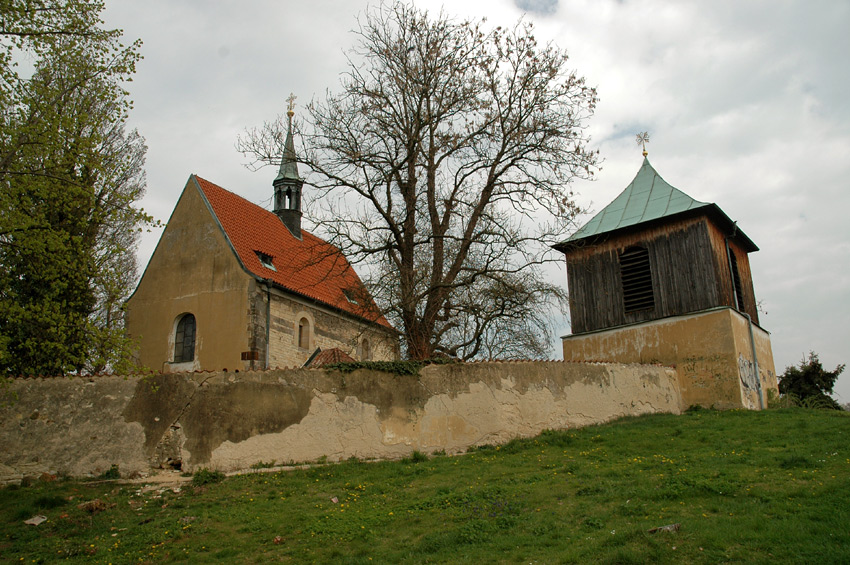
747	372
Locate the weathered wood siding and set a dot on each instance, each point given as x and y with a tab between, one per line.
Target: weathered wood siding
690	273
727	291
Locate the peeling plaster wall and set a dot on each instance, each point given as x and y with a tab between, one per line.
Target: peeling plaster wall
68	426
711	351
230	421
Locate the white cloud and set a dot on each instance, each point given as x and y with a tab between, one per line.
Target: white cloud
745	101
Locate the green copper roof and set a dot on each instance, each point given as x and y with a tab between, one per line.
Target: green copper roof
288	164
647	198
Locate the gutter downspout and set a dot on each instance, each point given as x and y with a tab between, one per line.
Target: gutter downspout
747	316
268	321
755	362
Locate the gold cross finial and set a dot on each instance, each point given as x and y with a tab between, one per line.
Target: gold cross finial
290	112
642	140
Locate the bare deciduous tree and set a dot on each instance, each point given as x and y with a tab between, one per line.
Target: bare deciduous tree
444	166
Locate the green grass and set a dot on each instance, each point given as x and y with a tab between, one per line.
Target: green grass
763	487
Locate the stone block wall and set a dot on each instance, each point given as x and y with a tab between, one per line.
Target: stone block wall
229	421
328	330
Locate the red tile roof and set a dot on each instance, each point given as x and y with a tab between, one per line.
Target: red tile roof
310	266
329	357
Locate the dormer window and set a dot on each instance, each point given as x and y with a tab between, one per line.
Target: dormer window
265	260
350	296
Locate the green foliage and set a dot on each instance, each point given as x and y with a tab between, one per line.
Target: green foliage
112	473
69	177
416	457
264	464
204	476
738	489
794	462
809	385
409	367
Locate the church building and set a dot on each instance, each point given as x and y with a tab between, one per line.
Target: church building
234	286
658	277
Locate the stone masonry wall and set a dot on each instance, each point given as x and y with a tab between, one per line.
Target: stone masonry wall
328	331
229	421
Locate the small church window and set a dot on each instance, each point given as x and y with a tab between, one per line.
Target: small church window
636	275
736	281
184	339
304	333
266	260
350	296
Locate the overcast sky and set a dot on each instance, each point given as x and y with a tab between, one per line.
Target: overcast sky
746	104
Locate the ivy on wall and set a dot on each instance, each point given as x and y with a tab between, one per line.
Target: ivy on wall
409	367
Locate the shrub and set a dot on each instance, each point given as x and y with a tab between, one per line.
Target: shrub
204	476
416	457
112	473
810	383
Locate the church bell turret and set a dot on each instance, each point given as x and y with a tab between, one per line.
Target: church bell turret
287	185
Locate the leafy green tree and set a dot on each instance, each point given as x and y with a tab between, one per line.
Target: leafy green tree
810	382
70	175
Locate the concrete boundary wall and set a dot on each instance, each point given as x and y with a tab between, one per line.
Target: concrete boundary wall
229	421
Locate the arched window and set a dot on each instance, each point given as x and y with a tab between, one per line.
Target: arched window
304	333
636	275
365	350
184	339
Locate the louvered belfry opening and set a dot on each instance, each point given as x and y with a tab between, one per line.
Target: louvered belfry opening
637	279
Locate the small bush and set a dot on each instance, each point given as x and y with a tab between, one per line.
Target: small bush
112	473
811	383
416	457
205	476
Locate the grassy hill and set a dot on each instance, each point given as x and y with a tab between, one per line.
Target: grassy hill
735	486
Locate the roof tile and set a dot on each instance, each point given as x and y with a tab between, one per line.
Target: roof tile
310	266
330	357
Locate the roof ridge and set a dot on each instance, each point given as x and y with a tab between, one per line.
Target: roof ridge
309	266
259	207
636	210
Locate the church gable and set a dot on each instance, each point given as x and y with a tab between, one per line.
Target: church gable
191	246
192	273
309	266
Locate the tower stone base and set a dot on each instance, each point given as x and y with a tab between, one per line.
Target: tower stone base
711	350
